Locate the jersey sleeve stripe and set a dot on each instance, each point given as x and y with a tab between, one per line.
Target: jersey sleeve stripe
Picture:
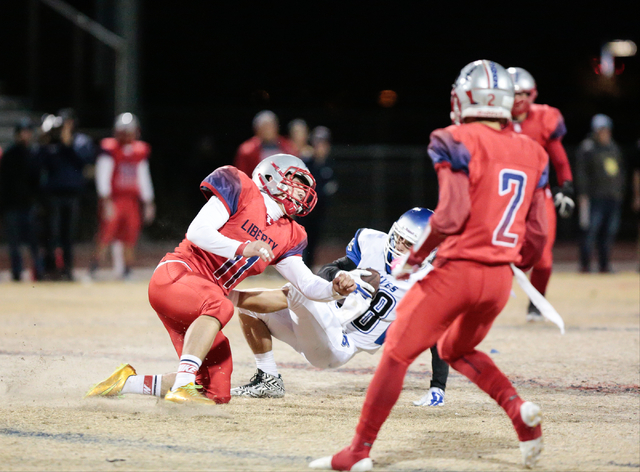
225	183
294	251
353	249
444	149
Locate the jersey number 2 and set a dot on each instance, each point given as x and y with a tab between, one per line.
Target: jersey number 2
509	181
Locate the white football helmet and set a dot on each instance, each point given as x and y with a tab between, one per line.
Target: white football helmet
483	89
126	122
408	227
523	82
274	176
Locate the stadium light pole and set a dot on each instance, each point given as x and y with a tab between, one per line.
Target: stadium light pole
125	46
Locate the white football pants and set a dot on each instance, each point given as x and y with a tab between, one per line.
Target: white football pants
310	328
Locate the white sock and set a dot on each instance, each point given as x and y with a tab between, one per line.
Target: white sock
143	385
189	367
266	363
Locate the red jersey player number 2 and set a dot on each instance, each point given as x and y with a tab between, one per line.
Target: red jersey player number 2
513	182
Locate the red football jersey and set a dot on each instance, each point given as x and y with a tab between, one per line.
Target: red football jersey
247	222
124	181
504	170
546	124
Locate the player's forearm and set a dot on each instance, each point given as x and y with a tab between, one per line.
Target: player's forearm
104	173
329	271
203	230
536	232
310	285
560	161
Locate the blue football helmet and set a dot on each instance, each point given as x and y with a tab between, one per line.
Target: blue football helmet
409	227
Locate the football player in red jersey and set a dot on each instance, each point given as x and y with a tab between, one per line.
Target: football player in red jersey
245	226
123	181
544	124
490	214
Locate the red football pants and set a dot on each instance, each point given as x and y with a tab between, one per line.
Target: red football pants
454	305
179	296
125	223
541	272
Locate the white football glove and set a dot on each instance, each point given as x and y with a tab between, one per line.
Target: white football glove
356	276
563	199
355	305
564	204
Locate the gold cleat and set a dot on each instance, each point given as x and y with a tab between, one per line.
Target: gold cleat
188	394
112	386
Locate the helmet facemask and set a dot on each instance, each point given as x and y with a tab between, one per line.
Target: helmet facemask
284	189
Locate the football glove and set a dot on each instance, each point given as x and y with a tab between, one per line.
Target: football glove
355	305
563	199
356	275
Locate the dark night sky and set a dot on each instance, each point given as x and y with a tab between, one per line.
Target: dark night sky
201	60
205	67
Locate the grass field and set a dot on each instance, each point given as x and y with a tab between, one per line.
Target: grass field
56	340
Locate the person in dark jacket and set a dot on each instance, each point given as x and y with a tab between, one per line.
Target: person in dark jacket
62	186
601	180
18	193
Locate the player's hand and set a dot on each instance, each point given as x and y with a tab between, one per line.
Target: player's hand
563	200
149	212
343	284
108	209
401	269
260	249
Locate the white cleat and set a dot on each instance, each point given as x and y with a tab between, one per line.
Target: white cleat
531	451
434	397
324	463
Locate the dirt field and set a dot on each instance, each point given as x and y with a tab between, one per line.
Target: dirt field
56	340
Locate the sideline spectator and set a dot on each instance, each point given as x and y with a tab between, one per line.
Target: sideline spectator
19	179
82	143
62	187
601	185
266	142
321	168
299	136
123	180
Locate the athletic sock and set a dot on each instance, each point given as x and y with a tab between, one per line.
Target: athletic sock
266	363
189	366
482	371
143	385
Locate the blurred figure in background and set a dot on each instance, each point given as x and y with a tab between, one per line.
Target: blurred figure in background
123	180
62	183
299	136
320	166
266	142
82	143
601	185
545	125
19	181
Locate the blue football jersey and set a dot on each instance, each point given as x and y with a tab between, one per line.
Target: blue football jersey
367	250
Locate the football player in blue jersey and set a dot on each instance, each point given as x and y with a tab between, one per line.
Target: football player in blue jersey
329	334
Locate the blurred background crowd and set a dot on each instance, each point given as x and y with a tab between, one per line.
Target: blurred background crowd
356	100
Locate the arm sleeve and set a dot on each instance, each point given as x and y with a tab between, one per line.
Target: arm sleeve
329	271
310	285
560	161
203	230
104	172
536	232
454	203
581	172
144	182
